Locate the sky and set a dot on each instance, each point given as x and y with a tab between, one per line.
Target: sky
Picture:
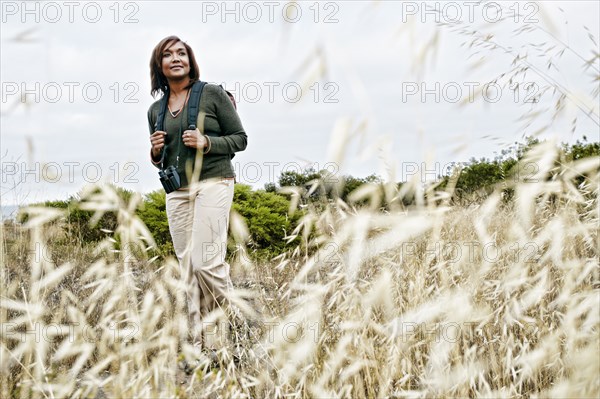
355	87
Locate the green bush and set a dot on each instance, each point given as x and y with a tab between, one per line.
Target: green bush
153	213
77	222
266	214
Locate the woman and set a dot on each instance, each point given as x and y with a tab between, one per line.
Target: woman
198	212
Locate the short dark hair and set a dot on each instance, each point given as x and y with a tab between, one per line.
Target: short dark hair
157	78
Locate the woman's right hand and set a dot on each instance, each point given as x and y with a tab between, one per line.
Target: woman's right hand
157	139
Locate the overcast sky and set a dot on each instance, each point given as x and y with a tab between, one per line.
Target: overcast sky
361	67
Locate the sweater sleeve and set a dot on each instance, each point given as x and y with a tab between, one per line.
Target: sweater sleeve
233	137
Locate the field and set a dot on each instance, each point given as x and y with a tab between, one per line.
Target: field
494	298
395	289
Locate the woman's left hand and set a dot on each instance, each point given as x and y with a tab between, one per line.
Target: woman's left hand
194	139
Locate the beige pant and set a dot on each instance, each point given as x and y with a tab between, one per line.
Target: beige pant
198	222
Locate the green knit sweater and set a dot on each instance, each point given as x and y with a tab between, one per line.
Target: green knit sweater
221	124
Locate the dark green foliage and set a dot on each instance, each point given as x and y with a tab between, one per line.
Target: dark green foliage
482	176
153	213
296	179
79	220
581	150
350	183
328	186
270	187
78	224
266	211
266	214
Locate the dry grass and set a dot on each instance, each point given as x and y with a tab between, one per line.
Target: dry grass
492	300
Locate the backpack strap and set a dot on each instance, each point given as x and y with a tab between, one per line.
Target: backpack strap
194	103
162	110
159	124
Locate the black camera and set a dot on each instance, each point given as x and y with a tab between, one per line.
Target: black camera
170	179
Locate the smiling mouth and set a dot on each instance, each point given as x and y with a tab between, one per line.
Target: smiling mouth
175	67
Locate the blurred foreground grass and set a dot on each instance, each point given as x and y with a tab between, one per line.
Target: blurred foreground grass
492	299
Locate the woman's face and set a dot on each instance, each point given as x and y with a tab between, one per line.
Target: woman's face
175	62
